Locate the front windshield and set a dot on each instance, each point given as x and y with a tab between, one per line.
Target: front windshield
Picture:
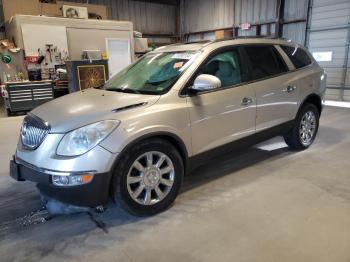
154	73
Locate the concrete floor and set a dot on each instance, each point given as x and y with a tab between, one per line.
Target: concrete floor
263	204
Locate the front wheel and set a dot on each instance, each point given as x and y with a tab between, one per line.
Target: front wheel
305	128
148	177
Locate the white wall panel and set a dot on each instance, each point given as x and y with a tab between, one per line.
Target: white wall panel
330	31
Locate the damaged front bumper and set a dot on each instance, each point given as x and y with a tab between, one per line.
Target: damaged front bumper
90	193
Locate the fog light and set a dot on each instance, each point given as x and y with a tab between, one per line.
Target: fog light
71	180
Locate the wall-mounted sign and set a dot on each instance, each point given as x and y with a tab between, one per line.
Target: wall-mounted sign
32	59
323	56
245	26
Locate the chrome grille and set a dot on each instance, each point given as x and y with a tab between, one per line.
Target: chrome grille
33	131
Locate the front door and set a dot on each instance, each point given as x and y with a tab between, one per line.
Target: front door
225	114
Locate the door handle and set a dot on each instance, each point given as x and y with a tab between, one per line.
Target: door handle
246	101
290	89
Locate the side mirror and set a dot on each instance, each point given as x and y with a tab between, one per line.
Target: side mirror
205	82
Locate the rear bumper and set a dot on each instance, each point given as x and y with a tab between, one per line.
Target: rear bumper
92	194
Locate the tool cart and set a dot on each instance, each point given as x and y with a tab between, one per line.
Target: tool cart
25	95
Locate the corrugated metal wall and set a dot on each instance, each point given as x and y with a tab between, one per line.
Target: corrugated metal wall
254	11
295	32
330	31
206	15
147	17
209	15
295	10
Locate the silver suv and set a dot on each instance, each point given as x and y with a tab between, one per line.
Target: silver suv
135	138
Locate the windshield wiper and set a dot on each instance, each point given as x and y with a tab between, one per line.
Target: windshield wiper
124	90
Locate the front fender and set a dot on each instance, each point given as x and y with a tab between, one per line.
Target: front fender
121	138
169	116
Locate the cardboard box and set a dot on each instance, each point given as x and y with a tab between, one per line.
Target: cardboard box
140	45
223	34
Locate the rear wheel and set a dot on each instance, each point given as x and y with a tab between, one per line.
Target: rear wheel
148	177
305	128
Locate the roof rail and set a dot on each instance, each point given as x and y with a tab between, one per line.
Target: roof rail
255	36
238	37
199	42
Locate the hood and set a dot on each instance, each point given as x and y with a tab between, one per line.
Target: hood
81	108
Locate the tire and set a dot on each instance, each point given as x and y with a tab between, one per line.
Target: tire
294	138
128	180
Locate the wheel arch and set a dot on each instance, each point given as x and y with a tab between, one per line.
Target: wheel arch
167	136
313	99
171	138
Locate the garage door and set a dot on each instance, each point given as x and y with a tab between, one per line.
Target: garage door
328	40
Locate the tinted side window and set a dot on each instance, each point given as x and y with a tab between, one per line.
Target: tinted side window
225	66
265	61
298	56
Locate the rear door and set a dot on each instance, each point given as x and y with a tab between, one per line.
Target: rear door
225	114
276	90
308	75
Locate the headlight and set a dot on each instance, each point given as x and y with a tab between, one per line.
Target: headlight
81	140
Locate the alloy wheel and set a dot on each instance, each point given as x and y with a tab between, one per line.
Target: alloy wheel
307	128
150	178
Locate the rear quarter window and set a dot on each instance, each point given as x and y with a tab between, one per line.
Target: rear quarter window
298	56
